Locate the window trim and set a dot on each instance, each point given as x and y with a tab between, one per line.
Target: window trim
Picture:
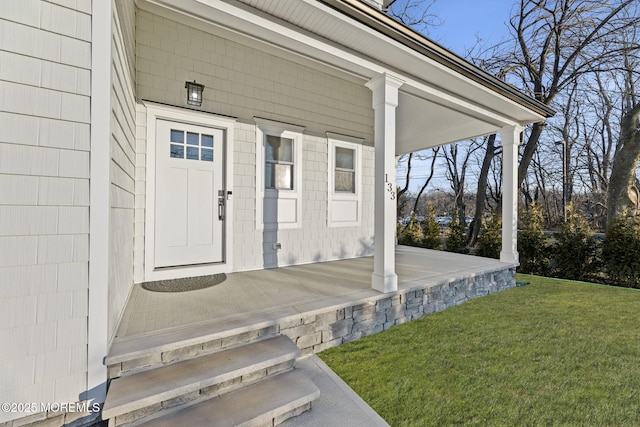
336	140
285	130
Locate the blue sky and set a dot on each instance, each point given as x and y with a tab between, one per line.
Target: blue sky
466	18
463	20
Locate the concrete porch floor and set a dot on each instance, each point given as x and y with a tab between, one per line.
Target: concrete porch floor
251	297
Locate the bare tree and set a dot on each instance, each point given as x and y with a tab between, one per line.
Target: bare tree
401	199
600	143
494	187
556	42
415	14
405	164
458	157
623	190
481	193
432	169
597	136
568	54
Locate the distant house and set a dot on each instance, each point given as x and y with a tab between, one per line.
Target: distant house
110	176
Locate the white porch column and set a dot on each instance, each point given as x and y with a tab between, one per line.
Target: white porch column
385	100
510	136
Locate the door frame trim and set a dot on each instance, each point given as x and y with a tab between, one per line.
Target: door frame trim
156	112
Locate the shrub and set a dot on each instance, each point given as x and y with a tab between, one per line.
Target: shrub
621	251
431	231
457	241
533	244
411	234
575	251
490	237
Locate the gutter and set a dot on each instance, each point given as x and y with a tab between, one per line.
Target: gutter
384	24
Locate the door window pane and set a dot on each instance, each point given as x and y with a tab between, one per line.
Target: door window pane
207	140
206	155
177	151
177	136
193	138
192	153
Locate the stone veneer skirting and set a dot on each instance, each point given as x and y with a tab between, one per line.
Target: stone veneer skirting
316	331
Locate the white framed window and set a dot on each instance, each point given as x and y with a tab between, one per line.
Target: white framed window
278	175
279	165
345	181
344	170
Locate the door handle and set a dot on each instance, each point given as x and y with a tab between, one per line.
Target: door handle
221	208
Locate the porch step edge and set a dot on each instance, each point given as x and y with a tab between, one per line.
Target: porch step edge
174	339
143	389
268	402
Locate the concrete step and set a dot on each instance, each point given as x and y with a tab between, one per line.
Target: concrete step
266	403
141	353
136	396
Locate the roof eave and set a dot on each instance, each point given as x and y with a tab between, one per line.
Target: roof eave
384	24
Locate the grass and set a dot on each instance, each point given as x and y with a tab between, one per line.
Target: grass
555	352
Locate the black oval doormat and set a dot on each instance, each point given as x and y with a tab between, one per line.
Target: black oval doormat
186	284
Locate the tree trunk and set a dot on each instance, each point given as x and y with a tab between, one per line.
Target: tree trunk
529	149
424	186
481	193
402	191
622	193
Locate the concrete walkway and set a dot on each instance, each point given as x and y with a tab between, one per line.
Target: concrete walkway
337	405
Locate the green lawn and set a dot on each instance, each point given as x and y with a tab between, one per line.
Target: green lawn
555	352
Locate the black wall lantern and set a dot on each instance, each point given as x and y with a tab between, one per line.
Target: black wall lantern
194	93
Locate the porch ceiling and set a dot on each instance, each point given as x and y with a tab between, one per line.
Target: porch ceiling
438	103
422	124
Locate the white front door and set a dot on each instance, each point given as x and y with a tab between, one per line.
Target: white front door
190	195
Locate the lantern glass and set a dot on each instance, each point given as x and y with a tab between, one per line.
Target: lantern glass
194	93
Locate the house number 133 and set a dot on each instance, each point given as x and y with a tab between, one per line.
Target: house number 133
390	189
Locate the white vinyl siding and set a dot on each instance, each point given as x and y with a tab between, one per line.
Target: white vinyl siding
44	202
